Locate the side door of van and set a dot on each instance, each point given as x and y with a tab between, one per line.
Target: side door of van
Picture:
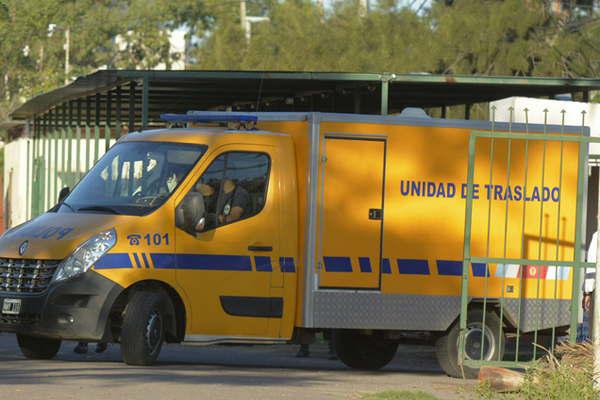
226	263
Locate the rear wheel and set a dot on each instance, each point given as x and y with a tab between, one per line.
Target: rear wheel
143	330
359	351
490	334
38	348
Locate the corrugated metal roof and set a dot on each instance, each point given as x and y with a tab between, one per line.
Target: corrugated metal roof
179	91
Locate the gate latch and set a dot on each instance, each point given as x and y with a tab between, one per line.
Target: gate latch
375	213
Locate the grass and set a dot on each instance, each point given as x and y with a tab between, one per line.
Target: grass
400	395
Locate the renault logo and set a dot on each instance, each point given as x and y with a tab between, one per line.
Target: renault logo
23	247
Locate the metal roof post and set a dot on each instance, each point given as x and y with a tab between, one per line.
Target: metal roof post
385	87
145	102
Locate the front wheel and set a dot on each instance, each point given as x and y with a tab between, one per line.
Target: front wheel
38	348
368	352
143	330
487	332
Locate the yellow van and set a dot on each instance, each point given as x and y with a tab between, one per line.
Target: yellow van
290	224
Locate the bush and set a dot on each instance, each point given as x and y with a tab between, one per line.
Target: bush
567	376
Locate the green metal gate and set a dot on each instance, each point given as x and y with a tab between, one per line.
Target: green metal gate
529	242
64	148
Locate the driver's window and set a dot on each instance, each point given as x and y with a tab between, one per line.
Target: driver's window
232	188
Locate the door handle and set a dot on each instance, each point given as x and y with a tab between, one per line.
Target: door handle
375	213
260	248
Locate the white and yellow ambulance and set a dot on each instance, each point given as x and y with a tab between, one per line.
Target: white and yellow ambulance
310	222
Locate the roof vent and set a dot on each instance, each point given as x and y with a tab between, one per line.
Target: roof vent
414	112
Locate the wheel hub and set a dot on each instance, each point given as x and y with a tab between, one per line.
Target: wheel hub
475	337
154	332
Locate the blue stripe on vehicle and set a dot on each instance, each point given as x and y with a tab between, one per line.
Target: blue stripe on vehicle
365	264
413	267
385	266
454	268
287	264
145	260
337	264
163	260
214	262
263	264
479	270
447	267
113	261
137	260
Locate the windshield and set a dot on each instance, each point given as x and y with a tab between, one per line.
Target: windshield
133	178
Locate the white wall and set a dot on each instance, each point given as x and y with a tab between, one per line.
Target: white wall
17	206
573	113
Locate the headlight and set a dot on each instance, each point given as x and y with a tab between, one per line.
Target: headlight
86	255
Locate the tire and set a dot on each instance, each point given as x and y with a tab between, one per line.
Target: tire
143	330
446	347
366	352
38	348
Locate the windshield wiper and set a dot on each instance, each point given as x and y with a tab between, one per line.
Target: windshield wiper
64	203
99	208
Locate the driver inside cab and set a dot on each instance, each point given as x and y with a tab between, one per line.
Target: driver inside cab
231	204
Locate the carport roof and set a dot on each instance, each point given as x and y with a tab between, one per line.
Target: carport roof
179	91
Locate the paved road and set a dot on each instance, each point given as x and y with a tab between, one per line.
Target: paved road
215	372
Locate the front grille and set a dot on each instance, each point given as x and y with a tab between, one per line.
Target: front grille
26	276
23	319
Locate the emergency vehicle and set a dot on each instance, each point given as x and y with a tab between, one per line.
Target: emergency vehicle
287	225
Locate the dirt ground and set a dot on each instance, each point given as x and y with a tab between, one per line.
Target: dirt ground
216	372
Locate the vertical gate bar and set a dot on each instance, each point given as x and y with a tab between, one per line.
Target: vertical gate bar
47	160
145	102
107	121
97	128
27	178
78	142
581	176
36	167
560	169
504	251
526	166
118	110
538	268
489	224
464	295
96	143
88	141
69	170
36	128
55	137
131	110
78	160
88	134
63	144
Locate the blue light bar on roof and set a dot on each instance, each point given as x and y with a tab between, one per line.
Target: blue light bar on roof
209	117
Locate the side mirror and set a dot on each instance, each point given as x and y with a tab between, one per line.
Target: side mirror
190	212
62	195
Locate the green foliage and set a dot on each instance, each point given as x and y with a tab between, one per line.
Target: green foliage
400	395
493	37
561	383
501	37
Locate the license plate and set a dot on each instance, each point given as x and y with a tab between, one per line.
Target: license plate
11	306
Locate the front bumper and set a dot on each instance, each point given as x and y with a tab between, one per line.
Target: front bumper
76	309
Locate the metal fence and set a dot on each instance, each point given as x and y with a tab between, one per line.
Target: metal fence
525	228
58	155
